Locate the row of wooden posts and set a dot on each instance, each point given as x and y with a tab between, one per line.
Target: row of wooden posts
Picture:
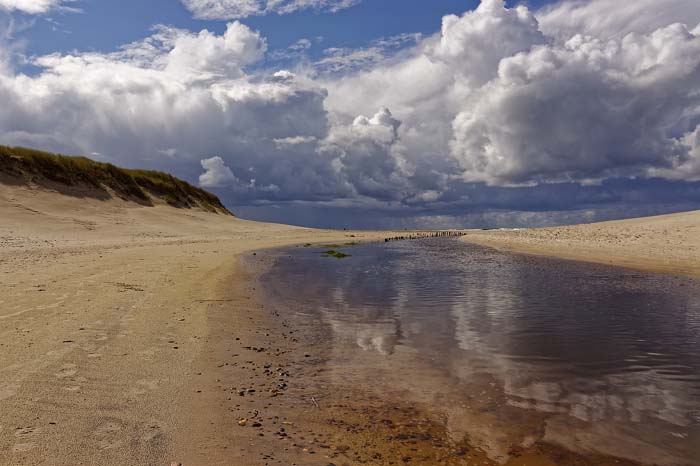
428	234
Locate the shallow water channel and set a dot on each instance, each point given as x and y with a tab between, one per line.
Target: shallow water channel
510	349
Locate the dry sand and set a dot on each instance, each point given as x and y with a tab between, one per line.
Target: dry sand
666	243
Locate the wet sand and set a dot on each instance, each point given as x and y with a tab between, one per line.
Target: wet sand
666	243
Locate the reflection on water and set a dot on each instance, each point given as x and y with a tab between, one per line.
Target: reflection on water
513	349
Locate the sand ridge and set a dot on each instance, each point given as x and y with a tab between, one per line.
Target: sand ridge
666	243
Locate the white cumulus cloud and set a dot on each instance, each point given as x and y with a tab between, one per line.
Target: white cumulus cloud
367	156
175	89
606	19
582	110
32	6
511	105
217	174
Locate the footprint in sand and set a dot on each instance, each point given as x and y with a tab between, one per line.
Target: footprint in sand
68	370
149	384
147	353
8	390
108	436
153	435
78	381
126	321
26	431
24	434
143	387
23	447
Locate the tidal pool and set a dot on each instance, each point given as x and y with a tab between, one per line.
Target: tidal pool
509	349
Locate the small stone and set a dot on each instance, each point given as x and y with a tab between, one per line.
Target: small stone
243	422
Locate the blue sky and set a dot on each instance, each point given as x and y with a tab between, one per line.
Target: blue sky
495	113
105	25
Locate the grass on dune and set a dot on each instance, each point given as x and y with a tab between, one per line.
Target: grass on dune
35	166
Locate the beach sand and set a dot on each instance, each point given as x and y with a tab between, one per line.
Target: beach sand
112	318
136	335
666	243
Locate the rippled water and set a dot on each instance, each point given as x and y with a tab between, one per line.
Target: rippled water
512	349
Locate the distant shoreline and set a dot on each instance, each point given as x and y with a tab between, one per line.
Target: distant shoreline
664	244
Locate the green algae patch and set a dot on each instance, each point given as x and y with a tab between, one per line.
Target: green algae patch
336	254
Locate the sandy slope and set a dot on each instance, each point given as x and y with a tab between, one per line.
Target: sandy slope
667	243
108	313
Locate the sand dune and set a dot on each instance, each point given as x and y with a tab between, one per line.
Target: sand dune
667	243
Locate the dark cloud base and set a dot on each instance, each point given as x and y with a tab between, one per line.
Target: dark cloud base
542	206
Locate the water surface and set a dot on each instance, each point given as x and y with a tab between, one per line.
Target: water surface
511	349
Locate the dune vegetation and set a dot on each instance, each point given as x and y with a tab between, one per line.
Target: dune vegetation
104	179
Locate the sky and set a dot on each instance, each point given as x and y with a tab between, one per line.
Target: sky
372	113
